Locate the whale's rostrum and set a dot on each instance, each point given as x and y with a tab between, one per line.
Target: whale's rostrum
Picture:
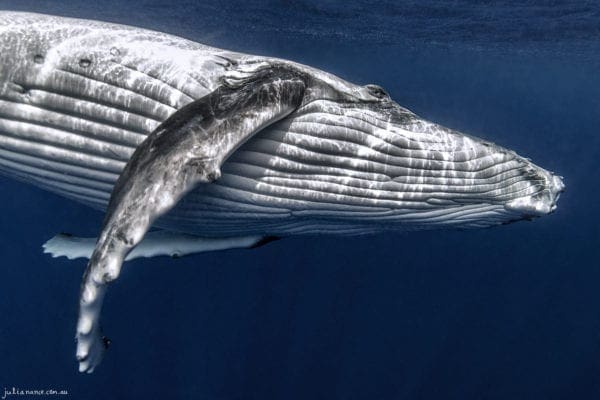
163	132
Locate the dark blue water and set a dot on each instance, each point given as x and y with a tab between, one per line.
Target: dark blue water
505	313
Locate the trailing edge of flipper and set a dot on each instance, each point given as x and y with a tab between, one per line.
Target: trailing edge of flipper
155	244
184	151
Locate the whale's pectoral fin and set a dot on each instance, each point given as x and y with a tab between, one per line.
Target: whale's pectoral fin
155	244
184	151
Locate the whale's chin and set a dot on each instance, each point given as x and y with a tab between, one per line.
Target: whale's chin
543	202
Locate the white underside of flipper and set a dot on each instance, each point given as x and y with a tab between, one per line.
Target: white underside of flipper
155	244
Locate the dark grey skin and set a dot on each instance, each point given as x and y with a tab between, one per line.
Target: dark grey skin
186	150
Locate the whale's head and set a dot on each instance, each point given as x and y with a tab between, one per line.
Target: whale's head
411	173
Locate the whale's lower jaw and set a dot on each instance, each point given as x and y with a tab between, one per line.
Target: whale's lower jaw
360	223
229	208
307	175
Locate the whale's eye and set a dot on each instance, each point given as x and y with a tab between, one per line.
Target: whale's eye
377	91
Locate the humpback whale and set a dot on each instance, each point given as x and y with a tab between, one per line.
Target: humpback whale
190	148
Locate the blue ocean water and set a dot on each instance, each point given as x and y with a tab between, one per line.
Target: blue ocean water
506	313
